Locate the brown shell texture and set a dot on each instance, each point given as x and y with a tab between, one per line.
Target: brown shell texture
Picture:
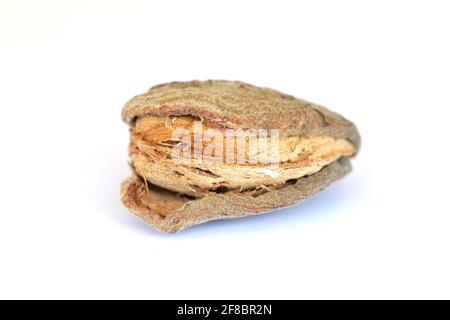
232	104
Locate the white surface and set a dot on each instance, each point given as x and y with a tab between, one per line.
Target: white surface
67	68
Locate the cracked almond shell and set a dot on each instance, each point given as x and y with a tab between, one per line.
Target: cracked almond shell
159	191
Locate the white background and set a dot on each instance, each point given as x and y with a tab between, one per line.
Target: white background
68	67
